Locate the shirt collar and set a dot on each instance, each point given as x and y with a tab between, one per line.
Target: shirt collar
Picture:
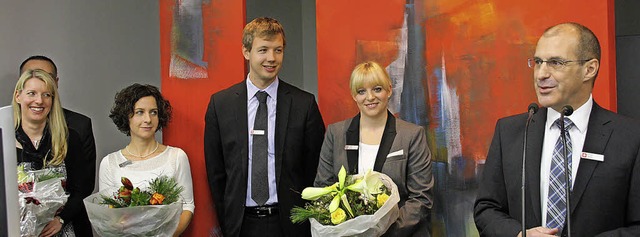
580	116
272	89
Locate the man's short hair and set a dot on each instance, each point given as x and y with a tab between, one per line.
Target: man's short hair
262	27
42	58
588	45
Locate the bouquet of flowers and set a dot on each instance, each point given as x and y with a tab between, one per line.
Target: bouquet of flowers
130	211
41	196
364	205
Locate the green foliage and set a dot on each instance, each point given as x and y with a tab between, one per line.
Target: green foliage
299	214
164	185
168	187
113	202
50	175
139	198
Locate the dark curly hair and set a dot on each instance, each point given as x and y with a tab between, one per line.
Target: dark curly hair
126	99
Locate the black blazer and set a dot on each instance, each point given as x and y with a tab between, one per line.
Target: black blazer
299	135
605	200
81	175
82	125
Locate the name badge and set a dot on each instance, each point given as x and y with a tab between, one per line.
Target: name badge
257	132
351	147
123	164
592	156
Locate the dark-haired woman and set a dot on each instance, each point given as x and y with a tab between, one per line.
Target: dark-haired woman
140	111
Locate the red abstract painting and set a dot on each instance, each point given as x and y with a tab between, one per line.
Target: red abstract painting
200	55
460	65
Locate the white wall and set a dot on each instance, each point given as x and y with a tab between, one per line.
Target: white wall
100	47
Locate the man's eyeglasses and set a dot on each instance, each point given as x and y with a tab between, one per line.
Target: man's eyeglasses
555	64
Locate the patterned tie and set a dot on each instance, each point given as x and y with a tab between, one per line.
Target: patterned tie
557	202
259	177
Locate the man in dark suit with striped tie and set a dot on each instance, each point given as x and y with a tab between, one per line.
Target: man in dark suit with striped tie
603	152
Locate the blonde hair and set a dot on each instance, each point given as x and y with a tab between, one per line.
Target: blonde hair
369	73
57	124
262	27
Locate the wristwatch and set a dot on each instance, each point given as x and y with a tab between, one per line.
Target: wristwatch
59	219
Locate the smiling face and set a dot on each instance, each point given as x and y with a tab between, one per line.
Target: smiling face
143	123
569	85
372	100
35	100
265	59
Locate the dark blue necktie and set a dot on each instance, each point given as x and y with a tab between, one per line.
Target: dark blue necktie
557	202
259	175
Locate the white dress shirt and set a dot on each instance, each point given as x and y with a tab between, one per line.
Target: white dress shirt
252	108
580	119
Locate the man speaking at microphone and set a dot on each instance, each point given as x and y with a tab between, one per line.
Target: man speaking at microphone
603	150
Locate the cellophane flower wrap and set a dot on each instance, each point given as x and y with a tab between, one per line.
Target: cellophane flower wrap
129	211
358	205
41	196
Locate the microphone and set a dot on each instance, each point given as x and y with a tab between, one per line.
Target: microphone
532	109
567	110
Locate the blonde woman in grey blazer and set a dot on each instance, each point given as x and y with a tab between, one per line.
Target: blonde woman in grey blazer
375	140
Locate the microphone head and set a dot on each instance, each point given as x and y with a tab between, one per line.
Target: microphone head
567	110
533	107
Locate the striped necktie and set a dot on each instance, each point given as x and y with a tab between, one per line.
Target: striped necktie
557	202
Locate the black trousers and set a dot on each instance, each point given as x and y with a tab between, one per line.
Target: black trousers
268	226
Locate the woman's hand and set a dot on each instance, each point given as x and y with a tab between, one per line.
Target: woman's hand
53	227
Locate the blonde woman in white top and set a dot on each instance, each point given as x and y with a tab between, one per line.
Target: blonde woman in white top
375	140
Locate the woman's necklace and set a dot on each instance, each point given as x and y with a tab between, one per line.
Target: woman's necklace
143	156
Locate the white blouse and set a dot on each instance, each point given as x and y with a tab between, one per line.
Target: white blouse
172	162
366	157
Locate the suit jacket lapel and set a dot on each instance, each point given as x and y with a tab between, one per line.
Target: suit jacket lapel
534	155
283	106
240	114
595	142
353	139
388	136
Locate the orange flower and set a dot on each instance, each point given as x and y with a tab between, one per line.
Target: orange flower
156	199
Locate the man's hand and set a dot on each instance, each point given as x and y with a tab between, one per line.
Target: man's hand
540	232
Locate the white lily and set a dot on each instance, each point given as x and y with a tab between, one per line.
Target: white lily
370	184
313	193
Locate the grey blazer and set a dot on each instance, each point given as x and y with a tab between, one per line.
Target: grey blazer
403	155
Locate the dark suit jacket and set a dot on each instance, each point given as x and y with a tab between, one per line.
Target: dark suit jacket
82	125
403	155
299	134
605	200
86	165
81	174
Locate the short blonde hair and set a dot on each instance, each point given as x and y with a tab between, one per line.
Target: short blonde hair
57	124
262	27
369	73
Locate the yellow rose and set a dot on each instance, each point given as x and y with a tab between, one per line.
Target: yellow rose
382	198
338	216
